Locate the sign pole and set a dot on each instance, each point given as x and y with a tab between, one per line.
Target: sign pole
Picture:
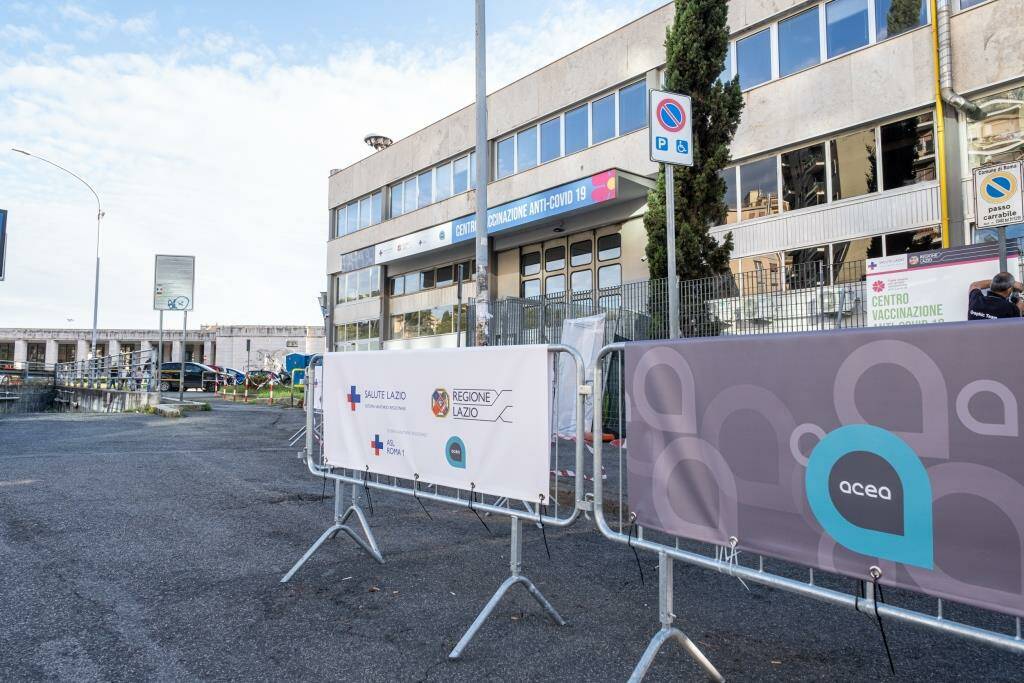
160	358
670	246
483	313
1002	249
458	309
181	373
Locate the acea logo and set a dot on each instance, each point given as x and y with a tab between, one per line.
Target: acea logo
455	452
440	404
869	491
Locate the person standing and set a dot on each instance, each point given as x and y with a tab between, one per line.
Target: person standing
1002	299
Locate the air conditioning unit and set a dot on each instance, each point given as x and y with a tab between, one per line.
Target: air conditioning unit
758	308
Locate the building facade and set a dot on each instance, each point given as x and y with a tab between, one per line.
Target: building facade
224	345
836	160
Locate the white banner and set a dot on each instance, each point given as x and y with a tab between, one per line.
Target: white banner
928	287
469	418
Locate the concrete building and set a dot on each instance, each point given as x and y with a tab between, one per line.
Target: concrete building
835	161
213	344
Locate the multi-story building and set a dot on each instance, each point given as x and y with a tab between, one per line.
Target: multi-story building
836	159
236	346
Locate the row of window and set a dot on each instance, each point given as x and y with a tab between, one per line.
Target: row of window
820	33
433	185
616	113
580	281
846	166
428	322
362	213
359	284
442	276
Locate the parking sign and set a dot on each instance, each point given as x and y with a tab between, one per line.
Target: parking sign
670	128
999	199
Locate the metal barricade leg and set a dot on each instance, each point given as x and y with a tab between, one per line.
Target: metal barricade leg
516	563
340	524
668	631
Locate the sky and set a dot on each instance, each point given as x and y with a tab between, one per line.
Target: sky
209	128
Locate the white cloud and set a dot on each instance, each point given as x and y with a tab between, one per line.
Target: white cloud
139	26
20	34
228	161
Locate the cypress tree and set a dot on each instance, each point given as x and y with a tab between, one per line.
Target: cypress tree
695	49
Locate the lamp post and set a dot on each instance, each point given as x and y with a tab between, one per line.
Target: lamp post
99	218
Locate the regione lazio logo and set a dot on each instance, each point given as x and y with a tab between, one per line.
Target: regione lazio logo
352	397
455	452
440	404
376	445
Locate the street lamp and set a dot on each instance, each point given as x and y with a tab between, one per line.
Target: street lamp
99	217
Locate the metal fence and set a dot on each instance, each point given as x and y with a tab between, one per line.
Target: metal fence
129	371
25	387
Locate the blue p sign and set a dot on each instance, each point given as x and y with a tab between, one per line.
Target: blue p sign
661	143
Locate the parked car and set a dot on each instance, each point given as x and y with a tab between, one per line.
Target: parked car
227	375
197	376
238	376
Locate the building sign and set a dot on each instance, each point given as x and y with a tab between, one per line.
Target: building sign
902	453
475	419
557	201
174	283
928	287
998	198
3	242
670	128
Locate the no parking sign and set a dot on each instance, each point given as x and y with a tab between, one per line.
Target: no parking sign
671	129
999	199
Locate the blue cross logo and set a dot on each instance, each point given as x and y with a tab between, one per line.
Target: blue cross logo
376	444
353	398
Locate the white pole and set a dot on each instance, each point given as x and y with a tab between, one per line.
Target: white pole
483	313
670	246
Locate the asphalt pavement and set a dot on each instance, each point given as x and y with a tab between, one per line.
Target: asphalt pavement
136	547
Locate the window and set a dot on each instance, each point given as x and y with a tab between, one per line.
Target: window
398	327
443	178
609	276
467	270
426	188
759	188
550	140
526	148
412	282
893	17
358	284
602	119
554	285
582	280
754	58
1000	136
443	320
397	286
352	213
554	259
799	46
530	288
806	267
912	241
410	195
609	247
351	286
727	73
339	221
472	170
376	208
848	258
846	25
576	130
853	165
7	351
444	276
803	177
529	264
412	325
728	175
908	152
632	108
427	279
581	253
460	180
396	200
964	4
364	212
505	158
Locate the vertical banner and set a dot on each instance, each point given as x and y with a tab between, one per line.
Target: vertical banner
477	418
897	447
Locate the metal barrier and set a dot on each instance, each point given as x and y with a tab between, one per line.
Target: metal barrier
725	559
561	516
128	371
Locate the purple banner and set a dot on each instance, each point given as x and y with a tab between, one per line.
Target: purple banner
898	447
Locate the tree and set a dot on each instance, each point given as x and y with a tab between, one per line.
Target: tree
695	49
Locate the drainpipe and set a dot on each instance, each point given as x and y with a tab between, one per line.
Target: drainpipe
944	50
950	205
